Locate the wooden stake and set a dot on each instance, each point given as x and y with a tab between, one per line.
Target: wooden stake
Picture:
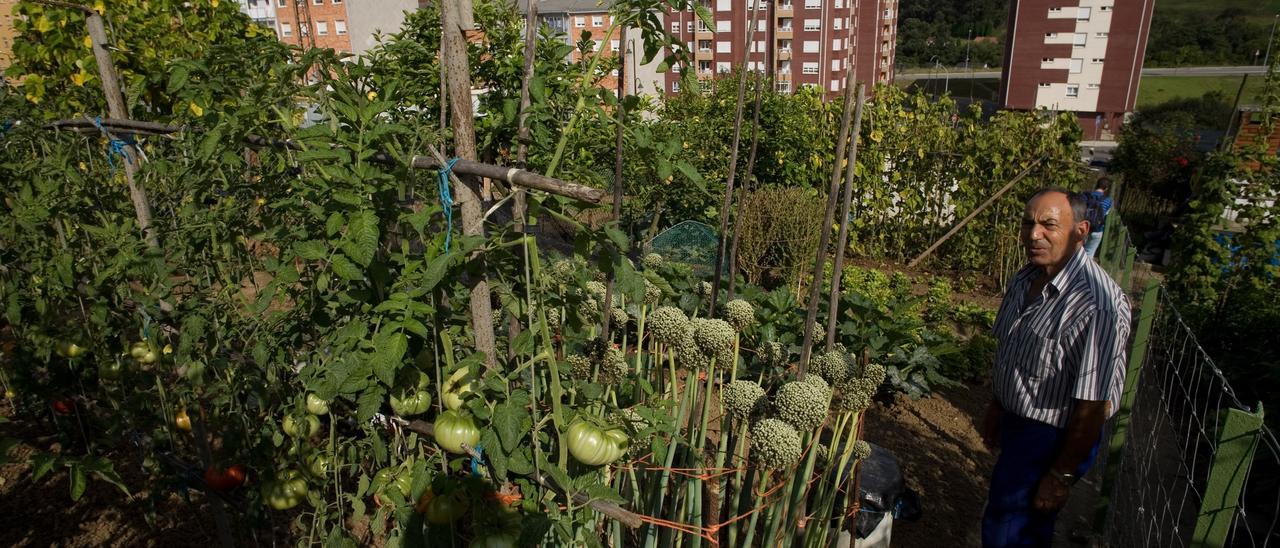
721	236
116	108
833	304
975	212
746	184
453	55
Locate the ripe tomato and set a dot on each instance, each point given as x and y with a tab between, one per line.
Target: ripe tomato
307	428
409	403
452	429
224	481
182	420
594	446
64	406
316	405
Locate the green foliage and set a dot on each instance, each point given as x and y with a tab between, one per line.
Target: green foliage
779	235
936	31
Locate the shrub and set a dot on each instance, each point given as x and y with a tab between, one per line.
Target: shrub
779	235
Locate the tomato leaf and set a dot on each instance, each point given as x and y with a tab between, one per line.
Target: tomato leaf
361	241
520	463
343	267
494	455
391	346
311	249
369	402
509	421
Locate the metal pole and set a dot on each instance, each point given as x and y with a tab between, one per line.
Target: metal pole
1266	61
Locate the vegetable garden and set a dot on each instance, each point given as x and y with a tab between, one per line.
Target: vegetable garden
333	328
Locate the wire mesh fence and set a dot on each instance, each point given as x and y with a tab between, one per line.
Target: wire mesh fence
1188	474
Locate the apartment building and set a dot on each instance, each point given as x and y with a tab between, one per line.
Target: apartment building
575	17
1081	56
7	34
350	26
800	43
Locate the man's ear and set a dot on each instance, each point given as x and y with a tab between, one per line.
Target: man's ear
1082	229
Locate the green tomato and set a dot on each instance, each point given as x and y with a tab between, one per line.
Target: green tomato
594	446
110	371
447	508
280	501
318	464
459	385
139	349
317	405
452	429
69	349
149	357
499	540
408	404
307	428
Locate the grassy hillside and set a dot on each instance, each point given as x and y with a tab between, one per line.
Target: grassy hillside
1158	89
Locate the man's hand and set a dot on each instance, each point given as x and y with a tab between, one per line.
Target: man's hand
991	426
1052	493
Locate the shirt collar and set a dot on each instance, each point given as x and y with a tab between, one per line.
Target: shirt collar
1063	278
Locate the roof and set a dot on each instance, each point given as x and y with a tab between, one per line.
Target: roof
567	6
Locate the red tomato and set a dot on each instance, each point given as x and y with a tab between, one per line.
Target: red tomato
64	406
223	481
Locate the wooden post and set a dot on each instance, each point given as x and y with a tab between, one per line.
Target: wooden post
722	237
116	108
742	191
833	304
453	46
815	289
1120	428
616	213
1237	441
1126	272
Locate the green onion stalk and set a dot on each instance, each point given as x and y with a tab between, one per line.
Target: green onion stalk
756	502
844	462
651	535
726	426
827	489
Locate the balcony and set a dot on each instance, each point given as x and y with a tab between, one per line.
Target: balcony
785	8
784	53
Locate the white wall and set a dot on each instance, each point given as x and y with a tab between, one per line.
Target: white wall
365	18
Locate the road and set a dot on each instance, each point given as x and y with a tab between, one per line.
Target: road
958	74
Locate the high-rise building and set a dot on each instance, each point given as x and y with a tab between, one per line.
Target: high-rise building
576	17
350	26
1081	56
800	43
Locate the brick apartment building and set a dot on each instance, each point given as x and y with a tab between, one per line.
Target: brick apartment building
7	34
1081	56
797	42
344	25
574	17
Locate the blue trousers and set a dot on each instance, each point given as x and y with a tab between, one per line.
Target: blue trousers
1027	451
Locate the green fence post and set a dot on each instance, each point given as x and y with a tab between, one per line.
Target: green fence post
1236	443
1128	269
1120	428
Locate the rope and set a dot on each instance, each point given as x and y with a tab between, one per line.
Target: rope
446	202
114	146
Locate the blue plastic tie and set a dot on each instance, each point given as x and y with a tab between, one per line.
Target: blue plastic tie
5	127
114	146
446	202
478	460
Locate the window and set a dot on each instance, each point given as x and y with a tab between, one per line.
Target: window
1104	8
702	26
1082	14
1101	34
724	46
579	21
812	24
613	45
688	26
837	44
597	20
783	87
704	66
675	27
1050	35
839	4
704	45
811	46
281	3
322	28
784	67
836	23
835	64
784	24
1078	40
810	4
1055	10
340	27
887	14
318	2
1046	60
722	67
835	85
1044	84
760	26
1097	60
785	6
724	5
1077	65
757	46
809	68
1073	91
784	45
1095	86
675	87
724	26
286	29
335	1
302	28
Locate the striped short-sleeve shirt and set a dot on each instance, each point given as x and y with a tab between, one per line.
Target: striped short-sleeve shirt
1066	343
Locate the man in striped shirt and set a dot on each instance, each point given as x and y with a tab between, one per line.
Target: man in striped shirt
1062	328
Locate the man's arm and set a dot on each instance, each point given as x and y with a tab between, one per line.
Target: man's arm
1083	430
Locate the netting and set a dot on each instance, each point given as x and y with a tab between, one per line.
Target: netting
1174	435
689	242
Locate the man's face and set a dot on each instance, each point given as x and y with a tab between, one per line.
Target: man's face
1050	232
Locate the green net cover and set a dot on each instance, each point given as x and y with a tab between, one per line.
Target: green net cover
688	242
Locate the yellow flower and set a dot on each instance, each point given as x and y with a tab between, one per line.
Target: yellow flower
261	201
168	349
88	42
83	167
80	78
214	3
43	24
196	109
371	95
99	7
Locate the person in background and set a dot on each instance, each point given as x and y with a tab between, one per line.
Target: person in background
1062	333
1101	194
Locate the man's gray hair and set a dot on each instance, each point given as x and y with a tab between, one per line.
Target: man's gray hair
1079	204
